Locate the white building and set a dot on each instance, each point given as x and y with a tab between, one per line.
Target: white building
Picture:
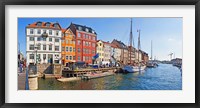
107	53
43	39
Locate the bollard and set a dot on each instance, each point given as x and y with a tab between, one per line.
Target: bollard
33	82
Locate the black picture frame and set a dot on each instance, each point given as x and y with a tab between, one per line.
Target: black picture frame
98	2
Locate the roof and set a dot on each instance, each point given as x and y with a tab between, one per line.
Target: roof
83	28
63	30
121	44
44	25
113	45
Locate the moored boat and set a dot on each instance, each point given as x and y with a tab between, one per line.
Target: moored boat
133	69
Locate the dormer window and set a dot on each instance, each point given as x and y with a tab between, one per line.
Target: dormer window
39	24
92	31
86	30
79	28
56	25
47	24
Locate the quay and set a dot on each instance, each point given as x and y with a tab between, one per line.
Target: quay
81	72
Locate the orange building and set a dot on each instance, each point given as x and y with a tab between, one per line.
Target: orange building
68	47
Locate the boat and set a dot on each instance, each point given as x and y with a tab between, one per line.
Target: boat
97	75
131	68
152	63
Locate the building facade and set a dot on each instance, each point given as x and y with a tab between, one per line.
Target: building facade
107	52
85	38
43	43
100	51
68	46
131	54
124	51
115	52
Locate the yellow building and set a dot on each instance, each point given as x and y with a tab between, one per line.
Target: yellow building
68	47
100	51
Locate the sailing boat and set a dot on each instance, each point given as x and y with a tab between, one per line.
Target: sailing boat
151	64
131	68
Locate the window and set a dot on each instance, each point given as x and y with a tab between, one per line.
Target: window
56	40
66	57
48	24
39	47
86	30
44	56
38	56
79	34
73	42
57	33
56	48
70	49
93	52
38	38
38	31
92	31
31	38
44	38
56	26
67	49
70	57
73	57
44	31
84	50
31	31
31	56
89	37
79	50
93	44
94	38
66	41
79	28
63	48
83	58
70	41
86	43
79	42
39	24
50	39
44	47
89	43
100	44
31	47
79	58
73	49
50	47
50	32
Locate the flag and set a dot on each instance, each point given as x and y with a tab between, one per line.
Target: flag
96	56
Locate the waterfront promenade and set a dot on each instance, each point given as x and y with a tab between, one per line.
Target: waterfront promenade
21	80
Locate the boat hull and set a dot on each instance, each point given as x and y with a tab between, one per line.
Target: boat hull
133	69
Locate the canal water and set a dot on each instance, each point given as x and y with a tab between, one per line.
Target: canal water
164	77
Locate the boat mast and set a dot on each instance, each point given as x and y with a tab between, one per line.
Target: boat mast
151	51
131	40
138	44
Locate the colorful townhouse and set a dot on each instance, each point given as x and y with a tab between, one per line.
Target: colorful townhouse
107	53
124	51
85	38
100	51
43	43
68	47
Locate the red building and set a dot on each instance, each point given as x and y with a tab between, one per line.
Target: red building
85	38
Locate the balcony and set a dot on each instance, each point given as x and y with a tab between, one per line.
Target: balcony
44	35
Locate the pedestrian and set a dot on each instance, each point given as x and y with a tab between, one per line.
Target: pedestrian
21	68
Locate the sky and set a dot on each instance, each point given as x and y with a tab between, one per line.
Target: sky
166	33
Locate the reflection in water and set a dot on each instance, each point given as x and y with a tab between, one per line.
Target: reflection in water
164	77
